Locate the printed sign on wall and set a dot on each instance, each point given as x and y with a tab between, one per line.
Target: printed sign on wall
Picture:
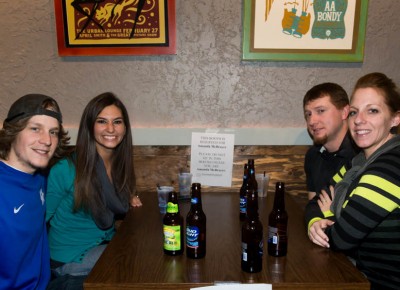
212	158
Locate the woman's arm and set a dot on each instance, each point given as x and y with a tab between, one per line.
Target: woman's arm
59	183
377	194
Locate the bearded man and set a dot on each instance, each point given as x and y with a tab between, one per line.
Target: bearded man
326	107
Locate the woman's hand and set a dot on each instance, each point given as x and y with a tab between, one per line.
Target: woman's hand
317	234
135	201
324	200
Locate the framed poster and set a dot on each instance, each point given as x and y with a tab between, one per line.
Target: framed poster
304	30
115	27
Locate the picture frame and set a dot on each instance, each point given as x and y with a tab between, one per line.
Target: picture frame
115	27
304	30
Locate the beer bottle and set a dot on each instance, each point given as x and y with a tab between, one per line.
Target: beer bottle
196	226
242	192
252	174
252	237
277	224
173	227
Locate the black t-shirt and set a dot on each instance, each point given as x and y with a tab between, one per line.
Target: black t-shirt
320	165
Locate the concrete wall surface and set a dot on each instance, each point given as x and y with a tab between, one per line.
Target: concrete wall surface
204	86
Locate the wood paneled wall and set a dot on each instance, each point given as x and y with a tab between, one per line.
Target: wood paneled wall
161	164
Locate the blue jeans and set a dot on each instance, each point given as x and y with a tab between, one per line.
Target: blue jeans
81	269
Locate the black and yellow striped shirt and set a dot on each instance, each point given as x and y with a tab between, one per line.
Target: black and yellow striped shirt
369	225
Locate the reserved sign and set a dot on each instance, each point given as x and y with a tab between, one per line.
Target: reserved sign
212	158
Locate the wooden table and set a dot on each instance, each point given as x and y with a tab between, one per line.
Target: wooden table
134	259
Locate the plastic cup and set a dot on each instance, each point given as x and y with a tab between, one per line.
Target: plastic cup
185	182
163	192
263	181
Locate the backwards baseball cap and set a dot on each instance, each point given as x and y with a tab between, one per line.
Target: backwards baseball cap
31	105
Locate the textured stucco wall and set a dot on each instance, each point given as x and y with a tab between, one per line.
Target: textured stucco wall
205	85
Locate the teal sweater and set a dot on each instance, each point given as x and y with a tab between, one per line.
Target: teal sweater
71	234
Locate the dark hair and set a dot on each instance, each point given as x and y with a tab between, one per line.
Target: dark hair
87	183
385	86
11	129
337	94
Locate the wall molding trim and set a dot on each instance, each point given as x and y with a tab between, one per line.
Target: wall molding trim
243	136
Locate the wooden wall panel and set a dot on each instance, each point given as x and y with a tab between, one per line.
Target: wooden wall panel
161	164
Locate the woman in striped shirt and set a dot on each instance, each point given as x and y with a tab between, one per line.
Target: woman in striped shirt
363	217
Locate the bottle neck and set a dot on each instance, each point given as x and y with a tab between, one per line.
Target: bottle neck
172	205
251	178
195	201
245	173
252	206
279	200
252	174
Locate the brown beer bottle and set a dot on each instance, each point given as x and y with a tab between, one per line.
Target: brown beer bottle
173	227
277	224
252	174
196	222
252	237
242	192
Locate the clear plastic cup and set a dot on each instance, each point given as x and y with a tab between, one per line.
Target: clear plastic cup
163	192
185	183
263	182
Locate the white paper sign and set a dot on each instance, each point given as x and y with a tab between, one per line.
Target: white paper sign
212	158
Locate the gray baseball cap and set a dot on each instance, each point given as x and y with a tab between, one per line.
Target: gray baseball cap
31	105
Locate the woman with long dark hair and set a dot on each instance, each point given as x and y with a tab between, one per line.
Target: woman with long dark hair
88	189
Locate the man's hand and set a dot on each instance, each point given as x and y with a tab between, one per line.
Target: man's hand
324	200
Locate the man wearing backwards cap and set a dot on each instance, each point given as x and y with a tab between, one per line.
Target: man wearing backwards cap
32	134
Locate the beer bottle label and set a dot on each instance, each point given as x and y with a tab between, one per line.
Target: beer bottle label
243	205
256	250
275	235
172	238
244	252
192	236
172	207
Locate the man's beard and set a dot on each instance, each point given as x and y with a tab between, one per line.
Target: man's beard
320	140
